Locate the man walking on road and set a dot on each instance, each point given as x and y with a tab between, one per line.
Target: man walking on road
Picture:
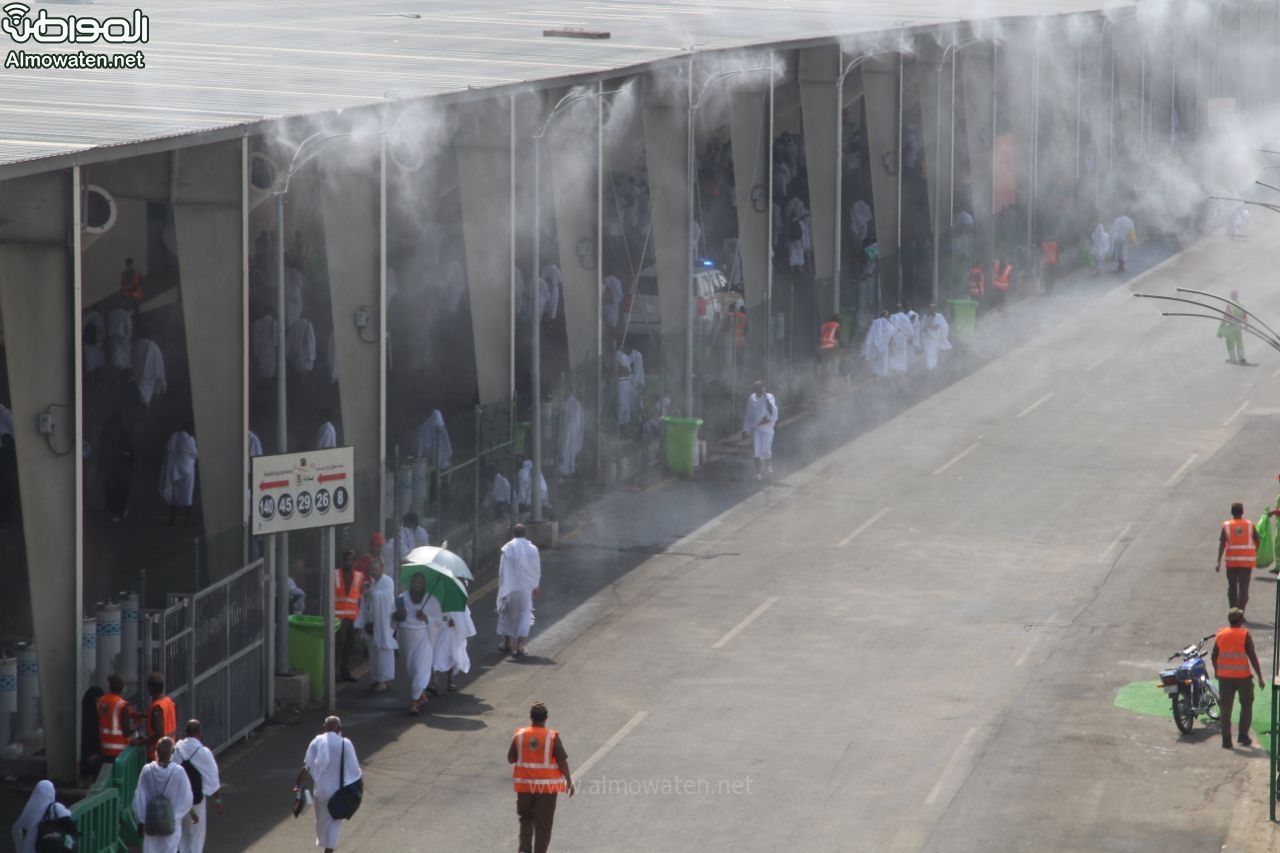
1234	322
202	772
331	762
519	576
1238	542
541	771
161	801
760	419
1233	652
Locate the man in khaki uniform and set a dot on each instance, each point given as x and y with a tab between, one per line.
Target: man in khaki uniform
540	772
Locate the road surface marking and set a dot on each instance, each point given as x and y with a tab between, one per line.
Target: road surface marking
1100	361
572	534
1182	469
861	527
954	459
1114	542
482	591
600	753
661	484
1026	653
1029	409
1276	375
1241	266
736	629
1237	413
952	768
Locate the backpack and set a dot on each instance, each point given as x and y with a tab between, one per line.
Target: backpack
196	780
54	834
159	819
89	337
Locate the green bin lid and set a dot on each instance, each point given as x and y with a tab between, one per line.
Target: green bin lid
683	422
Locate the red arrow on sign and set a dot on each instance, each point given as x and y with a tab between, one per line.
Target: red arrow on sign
324	478
273	484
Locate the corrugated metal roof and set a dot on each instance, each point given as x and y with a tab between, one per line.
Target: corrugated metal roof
226	63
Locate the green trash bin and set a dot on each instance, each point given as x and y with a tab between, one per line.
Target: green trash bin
306	649
847	325
964	313
518	443
680	435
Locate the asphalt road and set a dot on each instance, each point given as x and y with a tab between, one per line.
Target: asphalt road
911	641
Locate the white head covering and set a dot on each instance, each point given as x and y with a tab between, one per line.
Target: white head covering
24	831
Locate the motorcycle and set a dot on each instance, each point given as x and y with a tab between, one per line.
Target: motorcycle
1190	690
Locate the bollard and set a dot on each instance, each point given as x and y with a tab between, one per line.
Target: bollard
129	616
88	651
109	627
8	696
24	723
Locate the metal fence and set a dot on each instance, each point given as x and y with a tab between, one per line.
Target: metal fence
211	648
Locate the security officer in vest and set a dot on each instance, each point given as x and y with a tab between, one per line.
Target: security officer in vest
541	771
162	715
1238	542
348	585
115	720
1233	652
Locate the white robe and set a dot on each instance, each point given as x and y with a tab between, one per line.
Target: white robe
876	347
255	444
433	441
24	829
326	436
376	607
499	492
637	380
94	355
194	832
178	473
262	347
519	574
934	338
451	645
414	637
626	392
1099	244
901	343
301	345
169	781
148	370
293	286
119	334
552	281
760	419
611	299
524	486
324	762
571	423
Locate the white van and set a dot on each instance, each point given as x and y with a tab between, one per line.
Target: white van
641	312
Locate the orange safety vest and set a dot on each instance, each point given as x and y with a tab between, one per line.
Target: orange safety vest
827	337
1241	553
112	739
536	770
977	283
1000	276
739	329
346	603
170	729
1233	661
131	285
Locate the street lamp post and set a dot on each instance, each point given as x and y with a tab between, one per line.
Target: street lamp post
690	178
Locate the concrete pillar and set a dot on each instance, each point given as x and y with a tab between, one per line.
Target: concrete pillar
976	82
880	87
569	192
749	132
209	225
41	329
483	151
132	183
665	116
350	208
818	69
922	88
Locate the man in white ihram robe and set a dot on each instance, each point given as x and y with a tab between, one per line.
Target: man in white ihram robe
934	334
163	777
148	369
451	645
178	473
637	378
759	421
900	345
876	347
499	496
433	441
330	769
571	421
519	576
119	337
300	345
377	605
327	433
611	300
419	622
524	486
626	393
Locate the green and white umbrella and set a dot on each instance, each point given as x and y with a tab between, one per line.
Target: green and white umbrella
430	555
441	583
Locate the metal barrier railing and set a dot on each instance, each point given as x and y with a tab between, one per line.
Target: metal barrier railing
98	818
123	777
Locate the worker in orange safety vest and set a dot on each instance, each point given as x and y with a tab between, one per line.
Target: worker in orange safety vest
540	771
162	714
115	720
131	283
1233	652
1238	543
348	586
977	282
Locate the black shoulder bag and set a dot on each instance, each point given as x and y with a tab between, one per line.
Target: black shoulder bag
346	800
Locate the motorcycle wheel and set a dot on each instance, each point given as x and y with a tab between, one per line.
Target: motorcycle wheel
1214	711
1183	716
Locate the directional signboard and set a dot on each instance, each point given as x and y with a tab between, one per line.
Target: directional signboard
296	491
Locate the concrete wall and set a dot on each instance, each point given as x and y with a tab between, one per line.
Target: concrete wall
41	330
749	131
569	193
819	68
880	88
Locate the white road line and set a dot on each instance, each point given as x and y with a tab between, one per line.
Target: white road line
952	769
481	591
1114	542
1029	409
862	527
1237	413
1100	361
581	772
954	459
736	629
1026	653
1276	375
1182	469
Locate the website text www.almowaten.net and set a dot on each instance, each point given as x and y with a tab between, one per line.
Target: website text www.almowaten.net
673	786
80	59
